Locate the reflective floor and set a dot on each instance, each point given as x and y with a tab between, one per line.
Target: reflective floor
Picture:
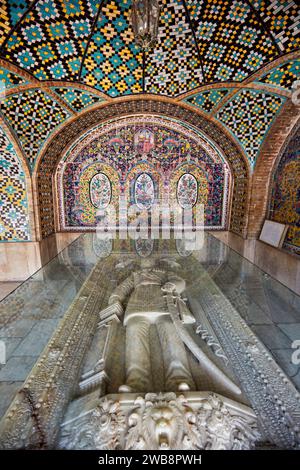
31	313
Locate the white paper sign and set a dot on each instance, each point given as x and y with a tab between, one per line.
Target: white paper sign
273	233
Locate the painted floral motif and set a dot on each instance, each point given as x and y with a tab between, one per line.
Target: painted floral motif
144	247
144	191
100	191
187	190
114	153
102	248
285	201
206	185
80	211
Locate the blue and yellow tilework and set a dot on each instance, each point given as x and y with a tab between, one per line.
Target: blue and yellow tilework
113	63
77	99
37	116
231	39
10	80
51	39
248	116
207	100
14	222
283	76
281	18
173	66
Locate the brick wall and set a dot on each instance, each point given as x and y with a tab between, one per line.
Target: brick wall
261	178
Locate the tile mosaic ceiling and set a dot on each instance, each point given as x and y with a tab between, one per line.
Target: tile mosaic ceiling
85	50
10	80
199	42
283	76
207	100
77	99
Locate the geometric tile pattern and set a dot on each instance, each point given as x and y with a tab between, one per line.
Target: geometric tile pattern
114	63
9	79
281	18
11	13
207	100
283	76
285	201
231	39
38	115
200	41
51	40
173	66
77	99
14	223
249	116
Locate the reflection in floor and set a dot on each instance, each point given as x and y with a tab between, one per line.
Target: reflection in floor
233	303
7	287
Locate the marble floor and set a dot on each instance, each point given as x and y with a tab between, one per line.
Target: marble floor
7	287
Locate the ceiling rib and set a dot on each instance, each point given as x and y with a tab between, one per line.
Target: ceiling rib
33	4
90	37
263	25
187	13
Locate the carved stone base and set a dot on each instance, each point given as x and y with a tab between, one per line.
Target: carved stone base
194	420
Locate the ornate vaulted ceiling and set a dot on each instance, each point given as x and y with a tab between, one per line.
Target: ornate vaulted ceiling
200	42
232	61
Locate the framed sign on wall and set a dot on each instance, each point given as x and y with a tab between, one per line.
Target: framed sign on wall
273	233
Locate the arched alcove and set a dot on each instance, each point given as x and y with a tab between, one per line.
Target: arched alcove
208	132
124	150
